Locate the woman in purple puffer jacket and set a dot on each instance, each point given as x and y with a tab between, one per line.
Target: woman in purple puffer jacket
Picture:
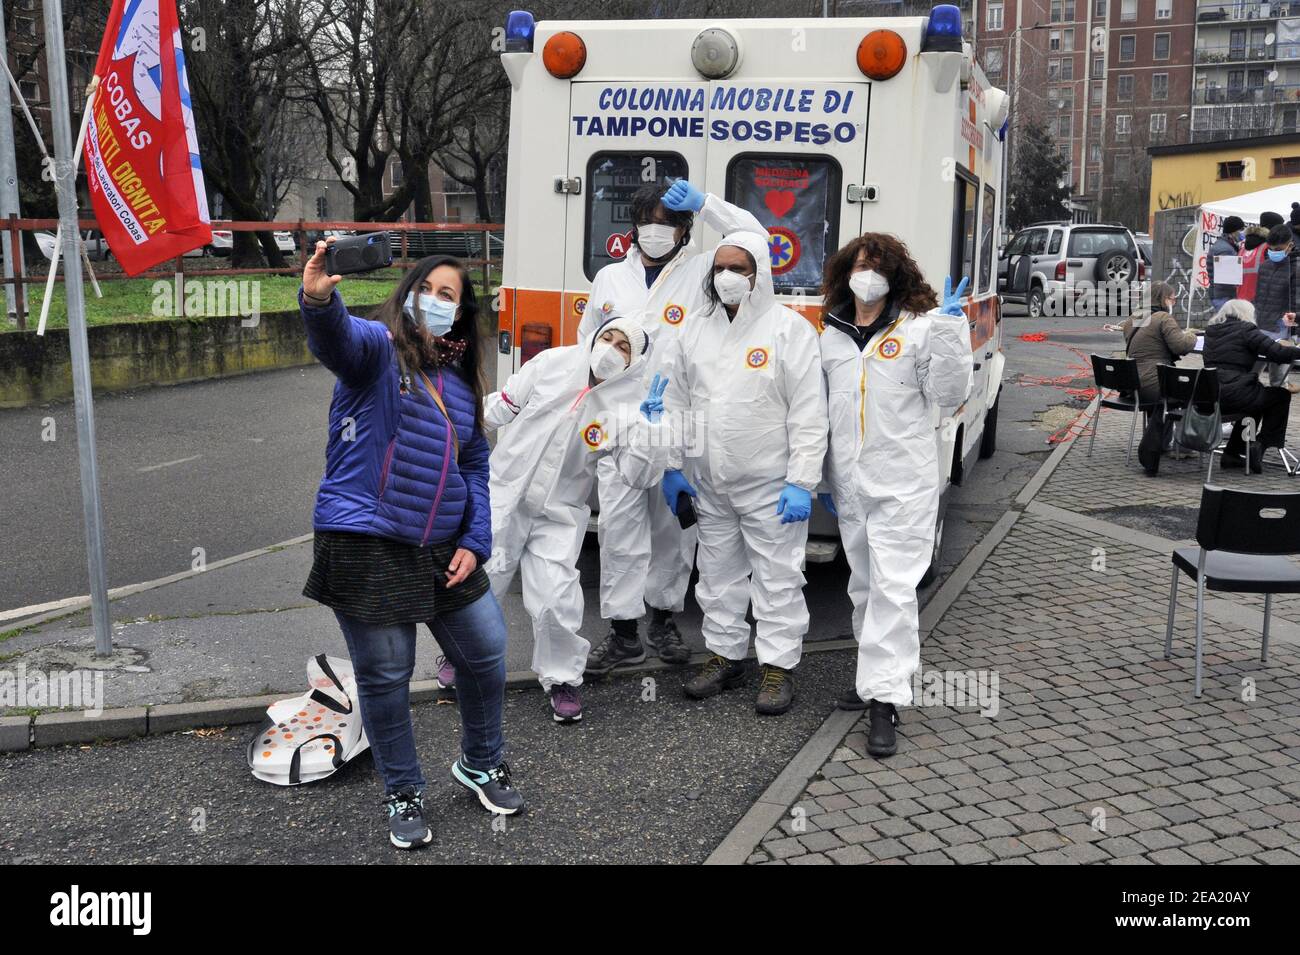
403	522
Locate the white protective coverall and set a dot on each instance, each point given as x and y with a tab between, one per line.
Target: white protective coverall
555	430
645	556
753	390
884	473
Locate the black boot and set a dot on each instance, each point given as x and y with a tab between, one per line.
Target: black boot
775	691
849	700
881	738
718	674
663	635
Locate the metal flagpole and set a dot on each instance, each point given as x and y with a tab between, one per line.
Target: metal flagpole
8	174
58	235
66	186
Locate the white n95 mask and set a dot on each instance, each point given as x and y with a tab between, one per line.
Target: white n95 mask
730	286
656	240
869	285
606	361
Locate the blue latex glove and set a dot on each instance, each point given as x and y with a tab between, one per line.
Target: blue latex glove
674	483
952	299
682	196
794	505
653	405
828	502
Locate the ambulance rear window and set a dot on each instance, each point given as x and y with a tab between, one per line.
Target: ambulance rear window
988	209
796	198
612	180
963	231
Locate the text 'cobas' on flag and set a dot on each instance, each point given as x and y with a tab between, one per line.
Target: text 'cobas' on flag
142	154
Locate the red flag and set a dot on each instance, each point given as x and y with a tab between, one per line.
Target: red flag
142	154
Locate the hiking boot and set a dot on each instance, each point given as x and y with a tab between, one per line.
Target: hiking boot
494	789
717	674
667	641
881	738
775	690
407	828
446	678
615	652
849	700
566	703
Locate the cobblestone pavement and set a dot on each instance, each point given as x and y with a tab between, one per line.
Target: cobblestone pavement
1097	751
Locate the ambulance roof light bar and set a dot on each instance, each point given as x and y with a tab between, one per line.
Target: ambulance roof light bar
520	27
943	31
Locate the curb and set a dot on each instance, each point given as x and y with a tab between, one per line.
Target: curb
18	733
739	844
22	618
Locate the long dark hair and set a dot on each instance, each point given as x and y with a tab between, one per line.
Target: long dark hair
415	343
907	286
711	293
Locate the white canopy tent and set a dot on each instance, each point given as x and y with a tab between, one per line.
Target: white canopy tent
1209	226
1249	207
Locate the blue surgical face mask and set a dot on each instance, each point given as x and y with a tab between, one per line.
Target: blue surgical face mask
439	314
1276	255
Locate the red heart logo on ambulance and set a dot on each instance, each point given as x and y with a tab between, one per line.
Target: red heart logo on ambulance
779	201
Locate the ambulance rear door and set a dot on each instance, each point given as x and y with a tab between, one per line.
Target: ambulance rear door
793	155
623	135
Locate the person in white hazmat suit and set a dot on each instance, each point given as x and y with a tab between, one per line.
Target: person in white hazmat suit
747	388
892	353
645	555
562	412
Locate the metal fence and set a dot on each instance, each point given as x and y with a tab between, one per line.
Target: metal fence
477	244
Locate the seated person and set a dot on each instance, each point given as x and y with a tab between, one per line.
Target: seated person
1152	337
1232	345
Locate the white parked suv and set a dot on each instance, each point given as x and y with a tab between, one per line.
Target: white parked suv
1075	268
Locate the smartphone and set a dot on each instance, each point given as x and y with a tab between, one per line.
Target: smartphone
359	253
685	511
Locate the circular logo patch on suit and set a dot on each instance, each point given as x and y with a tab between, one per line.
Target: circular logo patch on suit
607	308
890	348
674	314
593	435
757	358
783	248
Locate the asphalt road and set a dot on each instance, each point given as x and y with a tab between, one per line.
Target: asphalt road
232	465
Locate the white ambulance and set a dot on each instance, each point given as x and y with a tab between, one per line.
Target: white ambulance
822	128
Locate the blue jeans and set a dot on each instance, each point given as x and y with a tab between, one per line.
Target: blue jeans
383	659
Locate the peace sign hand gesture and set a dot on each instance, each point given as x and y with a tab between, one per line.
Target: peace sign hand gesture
952	299
653	405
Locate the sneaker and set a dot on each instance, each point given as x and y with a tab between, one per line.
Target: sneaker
667	641
613	653
566	704
881	738
493	788
407	828
446	678
717	674
775	690
849	700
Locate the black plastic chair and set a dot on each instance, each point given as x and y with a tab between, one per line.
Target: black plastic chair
1176	386
1119	375
1243	537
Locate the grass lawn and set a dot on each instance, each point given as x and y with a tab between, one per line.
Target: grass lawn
143	300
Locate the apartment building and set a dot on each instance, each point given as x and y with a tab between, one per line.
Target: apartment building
1247	78
1106	77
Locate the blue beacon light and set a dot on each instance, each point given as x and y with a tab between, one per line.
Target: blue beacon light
520	27
943	32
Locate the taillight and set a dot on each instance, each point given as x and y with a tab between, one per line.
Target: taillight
564	55
881	54
536	338
1142	271
1060	271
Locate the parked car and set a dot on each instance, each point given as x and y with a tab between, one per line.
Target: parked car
1066	266
223	242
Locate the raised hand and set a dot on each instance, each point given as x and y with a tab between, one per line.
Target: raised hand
952	298
682	196
316	282
653	405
